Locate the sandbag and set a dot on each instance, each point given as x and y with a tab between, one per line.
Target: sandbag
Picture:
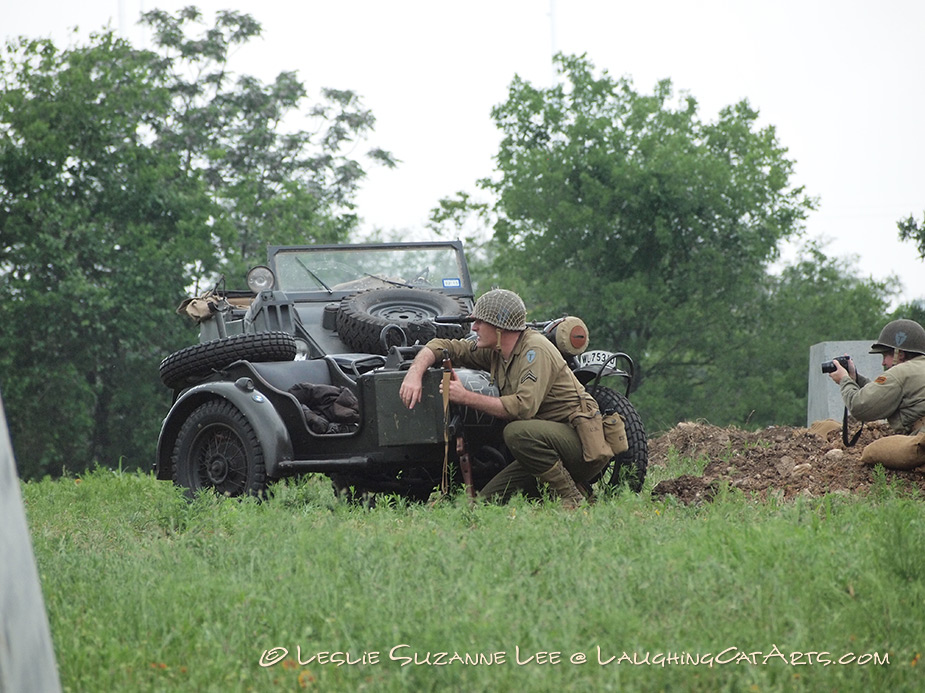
896	452
824	427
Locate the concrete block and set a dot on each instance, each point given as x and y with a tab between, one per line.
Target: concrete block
27	659
824	398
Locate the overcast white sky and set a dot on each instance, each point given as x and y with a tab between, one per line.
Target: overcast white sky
843	82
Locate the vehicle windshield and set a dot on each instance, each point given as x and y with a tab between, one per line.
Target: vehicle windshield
354	268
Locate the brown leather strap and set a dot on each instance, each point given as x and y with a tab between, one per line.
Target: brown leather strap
445	479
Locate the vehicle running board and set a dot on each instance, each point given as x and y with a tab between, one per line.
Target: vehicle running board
335	465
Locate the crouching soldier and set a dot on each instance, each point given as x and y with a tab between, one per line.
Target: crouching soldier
897	395
549	410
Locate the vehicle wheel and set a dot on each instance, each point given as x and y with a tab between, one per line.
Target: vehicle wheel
218	449
630	466
198	361
363	315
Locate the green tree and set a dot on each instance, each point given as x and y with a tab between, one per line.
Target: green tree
656	227
96	228
761	378
273	185
126	176
912	230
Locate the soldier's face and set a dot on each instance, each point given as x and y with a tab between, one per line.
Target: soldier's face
485	333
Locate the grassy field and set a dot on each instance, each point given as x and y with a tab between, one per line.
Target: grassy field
148	592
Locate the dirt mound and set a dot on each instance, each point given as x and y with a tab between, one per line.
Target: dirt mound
779	460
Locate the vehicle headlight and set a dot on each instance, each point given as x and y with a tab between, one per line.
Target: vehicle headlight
260	278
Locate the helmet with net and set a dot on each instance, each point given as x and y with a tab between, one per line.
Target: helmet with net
905	335
501	308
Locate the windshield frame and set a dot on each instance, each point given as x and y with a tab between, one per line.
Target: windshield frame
287	259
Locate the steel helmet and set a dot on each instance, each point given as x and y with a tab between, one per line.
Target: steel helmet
501	308
905	335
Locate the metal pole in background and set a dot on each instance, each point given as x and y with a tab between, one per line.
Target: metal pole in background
27	658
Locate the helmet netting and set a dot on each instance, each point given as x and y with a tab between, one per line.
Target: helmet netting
501	308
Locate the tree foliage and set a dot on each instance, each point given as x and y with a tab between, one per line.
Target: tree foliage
660	230
273	185
127	176
760	377
912	230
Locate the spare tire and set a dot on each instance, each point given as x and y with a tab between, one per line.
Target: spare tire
200	360
362	316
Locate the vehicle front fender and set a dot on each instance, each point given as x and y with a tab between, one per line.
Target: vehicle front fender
271	432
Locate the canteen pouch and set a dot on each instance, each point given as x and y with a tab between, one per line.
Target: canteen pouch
588	423
615	433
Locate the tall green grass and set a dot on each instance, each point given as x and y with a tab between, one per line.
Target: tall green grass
148	592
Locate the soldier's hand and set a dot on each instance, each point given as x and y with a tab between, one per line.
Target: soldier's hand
411	389
839	371
458	392
852	369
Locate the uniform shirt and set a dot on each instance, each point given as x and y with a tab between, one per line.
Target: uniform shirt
897	395
535	383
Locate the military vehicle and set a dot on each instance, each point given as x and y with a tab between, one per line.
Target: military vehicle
300	375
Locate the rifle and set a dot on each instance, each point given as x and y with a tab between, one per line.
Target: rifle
454	428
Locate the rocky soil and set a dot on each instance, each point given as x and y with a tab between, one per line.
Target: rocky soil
781	461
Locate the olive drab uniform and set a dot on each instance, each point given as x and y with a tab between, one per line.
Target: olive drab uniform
897	395
540	394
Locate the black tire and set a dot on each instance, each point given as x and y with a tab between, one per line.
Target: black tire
200	360
628	467
218	449
362	316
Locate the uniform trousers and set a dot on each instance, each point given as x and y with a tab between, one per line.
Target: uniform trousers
536	446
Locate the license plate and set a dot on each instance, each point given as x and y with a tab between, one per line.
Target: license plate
597	358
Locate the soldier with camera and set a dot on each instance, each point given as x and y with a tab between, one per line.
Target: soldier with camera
897	395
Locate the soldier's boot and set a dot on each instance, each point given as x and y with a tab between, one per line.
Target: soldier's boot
586	490
563	485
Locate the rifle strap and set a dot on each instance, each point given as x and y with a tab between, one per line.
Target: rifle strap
844	432
445	478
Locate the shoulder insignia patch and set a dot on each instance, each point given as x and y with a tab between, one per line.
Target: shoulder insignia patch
880	380
531	356
527	376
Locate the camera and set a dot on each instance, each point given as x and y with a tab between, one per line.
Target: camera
829	366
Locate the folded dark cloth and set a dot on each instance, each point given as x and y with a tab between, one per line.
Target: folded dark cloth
325	405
